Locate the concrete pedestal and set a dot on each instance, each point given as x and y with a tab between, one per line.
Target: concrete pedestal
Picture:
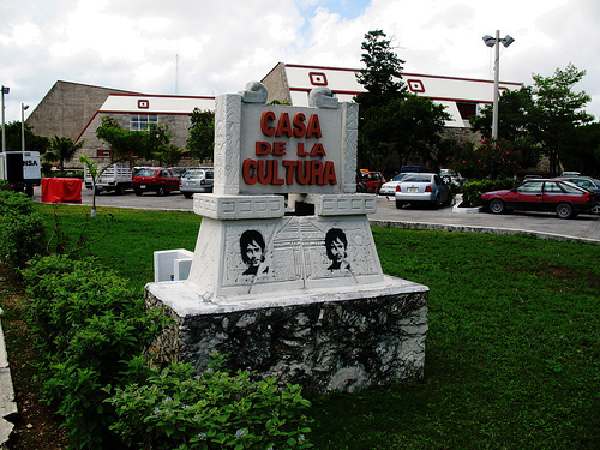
340	339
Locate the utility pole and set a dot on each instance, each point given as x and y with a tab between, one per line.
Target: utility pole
4	90
495	42
23	108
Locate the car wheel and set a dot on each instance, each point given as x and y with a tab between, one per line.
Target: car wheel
187	194
564	211
161	191
399	204
139	193
497	206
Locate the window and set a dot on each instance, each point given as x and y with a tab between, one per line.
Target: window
531	187
418	178
143	122
570	188
466	110
552	187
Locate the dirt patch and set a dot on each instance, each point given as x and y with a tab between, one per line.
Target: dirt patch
562	273
36	427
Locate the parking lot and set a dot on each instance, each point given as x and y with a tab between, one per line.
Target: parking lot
583	226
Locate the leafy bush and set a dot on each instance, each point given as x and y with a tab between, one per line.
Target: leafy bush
90	330
472	190
176	410
21	230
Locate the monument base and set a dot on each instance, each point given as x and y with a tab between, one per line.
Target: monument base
339	339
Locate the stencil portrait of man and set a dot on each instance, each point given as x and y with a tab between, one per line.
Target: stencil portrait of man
252	249
336	246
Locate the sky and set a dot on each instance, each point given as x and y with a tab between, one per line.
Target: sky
224	44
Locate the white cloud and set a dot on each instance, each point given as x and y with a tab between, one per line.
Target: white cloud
222	45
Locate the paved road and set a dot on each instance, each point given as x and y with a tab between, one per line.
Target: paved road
584	226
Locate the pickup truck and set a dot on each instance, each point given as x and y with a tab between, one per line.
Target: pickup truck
114	178
155	179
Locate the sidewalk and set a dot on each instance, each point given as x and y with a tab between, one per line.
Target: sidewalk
7	398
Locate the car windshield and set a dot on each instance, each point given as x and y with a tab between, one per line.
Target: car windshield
417	178
399	177
145	173
193	173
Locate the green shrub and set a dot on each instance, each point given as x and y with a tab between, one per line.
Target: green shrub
472	190
90	330
177	410
21	230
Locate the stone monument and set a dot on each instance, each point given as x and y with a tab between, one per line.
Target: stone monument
302	297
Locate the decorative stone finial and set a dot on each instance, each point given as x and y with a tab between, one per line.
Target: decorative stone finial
255	92
322	98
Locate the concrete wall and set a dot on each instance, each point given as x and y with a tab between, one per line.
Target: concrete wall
67	108
276	83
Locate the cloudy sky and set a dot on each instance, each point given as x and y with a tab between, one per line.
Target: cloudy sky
223	44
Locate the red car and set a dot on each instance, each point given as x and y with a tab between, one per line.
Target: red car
373	181
155	179
563	197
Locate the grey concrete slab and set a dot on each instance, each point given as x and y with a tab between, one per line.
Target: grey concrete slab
583	226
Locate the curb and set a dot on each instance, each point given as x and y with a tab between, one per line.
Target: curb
8	406
479	229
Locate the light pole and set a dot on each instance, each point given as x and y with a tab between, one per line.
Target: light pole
4	91
491	42
23	108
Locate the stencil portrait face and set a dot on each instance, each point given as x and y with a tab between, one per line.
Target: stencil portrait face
254	254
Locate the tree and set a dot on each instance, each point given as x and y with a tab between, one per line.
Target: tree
557	112
32	141
62	149
201	137
382	74
93	171
126	144
394	125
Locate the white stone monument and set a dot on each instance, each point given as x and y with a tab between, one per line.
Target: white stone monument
299	296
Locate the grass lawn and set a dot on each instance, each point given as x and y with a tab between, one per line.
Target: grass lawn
513	349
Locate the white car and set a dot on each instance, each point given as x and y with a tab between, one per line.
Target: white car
389	188
198	179
422	188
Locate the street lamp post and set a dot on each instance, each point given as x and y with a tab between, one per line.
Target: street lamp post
23	108
495	42
3	91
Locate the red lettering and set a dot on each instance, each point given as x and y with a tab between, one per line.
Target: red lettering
279	149
316	177
313	129
265	123
317	150
329	173
276	181
249	171
283	126
303	174
299	125
300	151
263	148
289	166
265	171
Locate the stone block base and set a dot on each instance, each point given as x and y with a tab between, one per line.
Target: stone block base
325	341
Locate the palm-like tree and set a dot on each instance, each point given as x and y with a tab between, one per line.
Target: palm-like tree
62	149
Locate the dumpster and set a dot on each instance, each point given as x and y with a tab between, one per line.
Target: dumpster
61	190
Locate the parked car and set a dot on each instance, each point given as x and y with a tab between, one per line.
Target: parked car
373	181
198	179
178	171
564	197
451	177
116	178
389	187
422	188
155	179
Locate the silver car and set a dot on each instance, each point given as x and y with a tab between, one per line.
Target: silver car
389	187
199	179
422	188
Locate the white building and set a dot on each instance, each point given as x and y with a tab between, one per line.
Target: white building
462	97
